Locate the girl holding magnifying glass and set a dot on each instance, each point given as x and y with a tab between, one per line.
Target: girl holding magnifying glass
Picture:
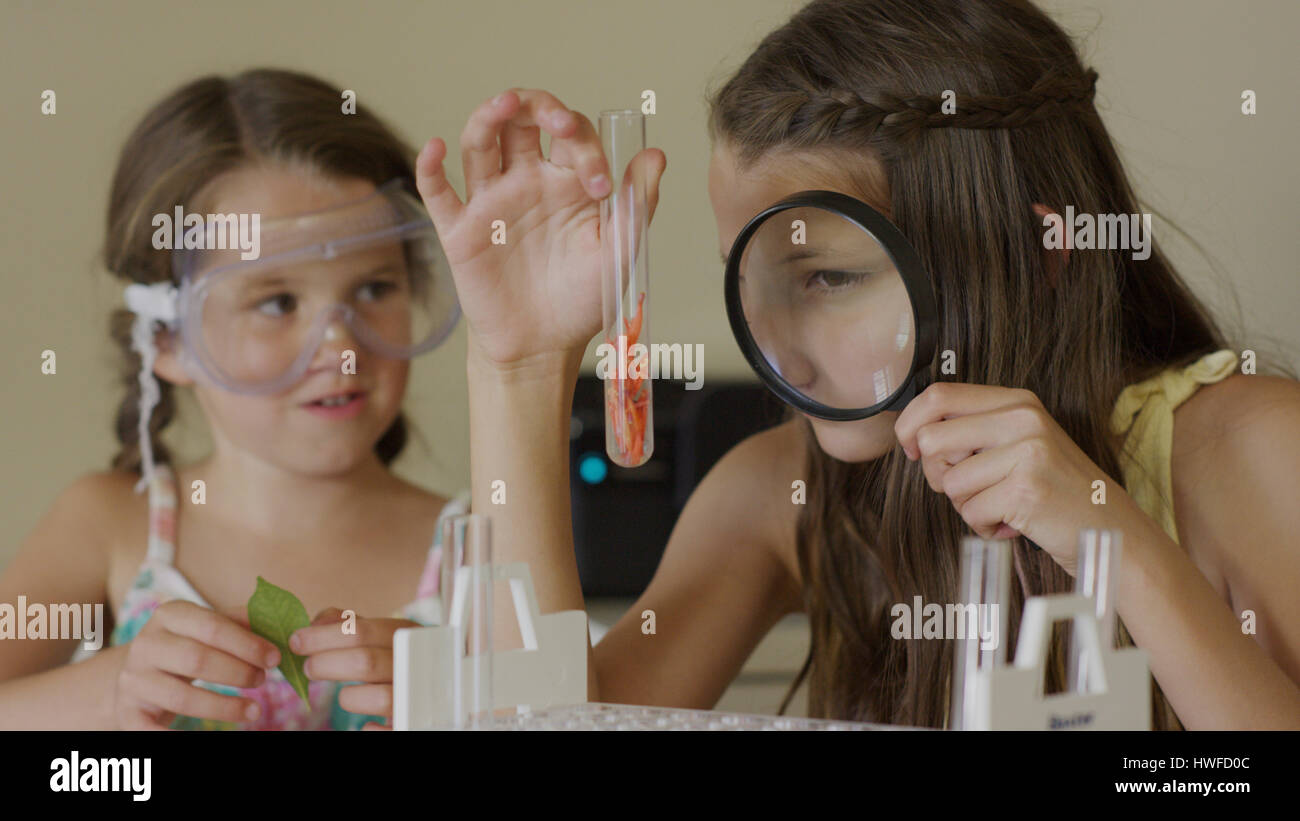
1068	368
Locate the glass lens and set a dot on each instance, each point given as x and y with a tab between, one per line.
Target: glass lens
827	308
391	295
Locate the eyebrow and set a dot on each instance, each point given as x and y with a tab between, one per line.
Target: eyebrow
279	280
803	253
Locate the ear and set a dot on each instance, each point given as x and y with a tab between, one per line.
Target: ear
1056	259
168	364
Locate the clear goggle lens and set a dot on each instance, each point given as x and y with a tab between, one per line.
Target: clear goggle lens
378	282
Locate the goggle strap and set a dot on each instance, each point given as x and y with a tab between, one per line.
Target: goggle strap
142	342
155	301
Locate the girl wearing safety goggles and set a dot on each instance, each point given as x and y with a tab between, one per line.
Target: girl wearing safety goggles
295	342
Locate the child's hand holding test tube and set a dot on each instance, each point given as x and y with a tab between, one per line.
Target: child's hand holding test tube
525	249
526	246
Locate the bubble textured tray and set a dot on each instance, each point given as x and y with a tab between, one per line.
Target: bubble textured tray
597	716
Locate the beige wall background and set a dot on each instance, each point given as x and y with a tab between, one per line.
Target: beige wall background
1172	72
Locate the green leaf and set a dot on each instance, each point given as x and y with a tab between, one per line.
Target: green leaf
274	614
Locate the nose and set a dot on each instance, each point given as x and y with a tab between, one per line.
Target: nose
783	353
795	368
336	340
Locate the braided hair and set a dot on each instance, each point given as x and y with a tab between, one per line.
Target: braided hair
823	115
201	130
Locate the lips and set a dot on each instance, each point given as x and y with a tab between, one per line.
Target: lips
337	405
335	400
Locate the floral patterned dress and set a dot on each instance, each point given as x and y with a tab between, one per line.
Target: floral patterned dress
159	581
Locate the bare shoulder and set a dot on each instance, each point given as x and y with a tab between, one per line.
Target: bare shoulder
774	457
1237	419
89	521
1236	447
755	483
116	517
101	503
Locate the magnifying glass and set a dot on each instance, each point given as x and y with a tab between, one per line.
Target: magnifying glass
831	306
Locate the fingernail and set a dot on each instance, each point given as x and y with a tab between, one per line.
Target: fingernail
252	712
273	658
559	119
599	184
499	99
295	643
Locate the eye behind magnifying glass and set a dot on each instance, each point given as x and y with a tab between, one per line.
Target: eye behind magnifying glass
833	280
857	334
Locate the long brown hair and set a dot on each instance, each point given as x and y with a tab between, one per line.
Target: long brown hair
863	81
205	128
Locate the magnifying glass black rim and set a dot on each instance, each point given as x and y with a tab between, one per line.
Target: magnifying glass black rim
915	280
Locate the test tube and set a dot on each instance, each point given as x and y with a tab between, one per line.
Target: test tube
625	289
985	580
1097	577
467	581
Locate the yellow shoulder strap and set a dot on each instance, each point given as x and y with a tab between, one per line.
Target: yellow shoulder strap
1144	415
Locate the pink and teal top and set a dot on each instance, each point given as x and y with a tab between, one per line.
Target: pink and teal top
159	581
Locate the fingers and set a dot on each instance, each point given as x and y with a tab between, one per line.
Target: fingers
942	445
439	197
139	716
521	142
370	725
320	637
651	164
991	495
329	615
583	153
638	191
506	131
215	630
239	615
944	400
187	657
368	699
987	514
157	688
972	475
480	152
367	664
366	655
525	111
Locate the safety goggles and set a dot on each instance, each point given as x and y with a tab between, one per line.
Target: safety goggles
374	266
372	269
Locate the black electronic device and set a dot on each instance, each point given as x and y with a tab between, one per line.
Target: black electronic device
622	517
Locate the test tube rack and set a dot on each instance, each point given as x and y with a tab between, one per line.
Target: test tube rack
1110	688
550	669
